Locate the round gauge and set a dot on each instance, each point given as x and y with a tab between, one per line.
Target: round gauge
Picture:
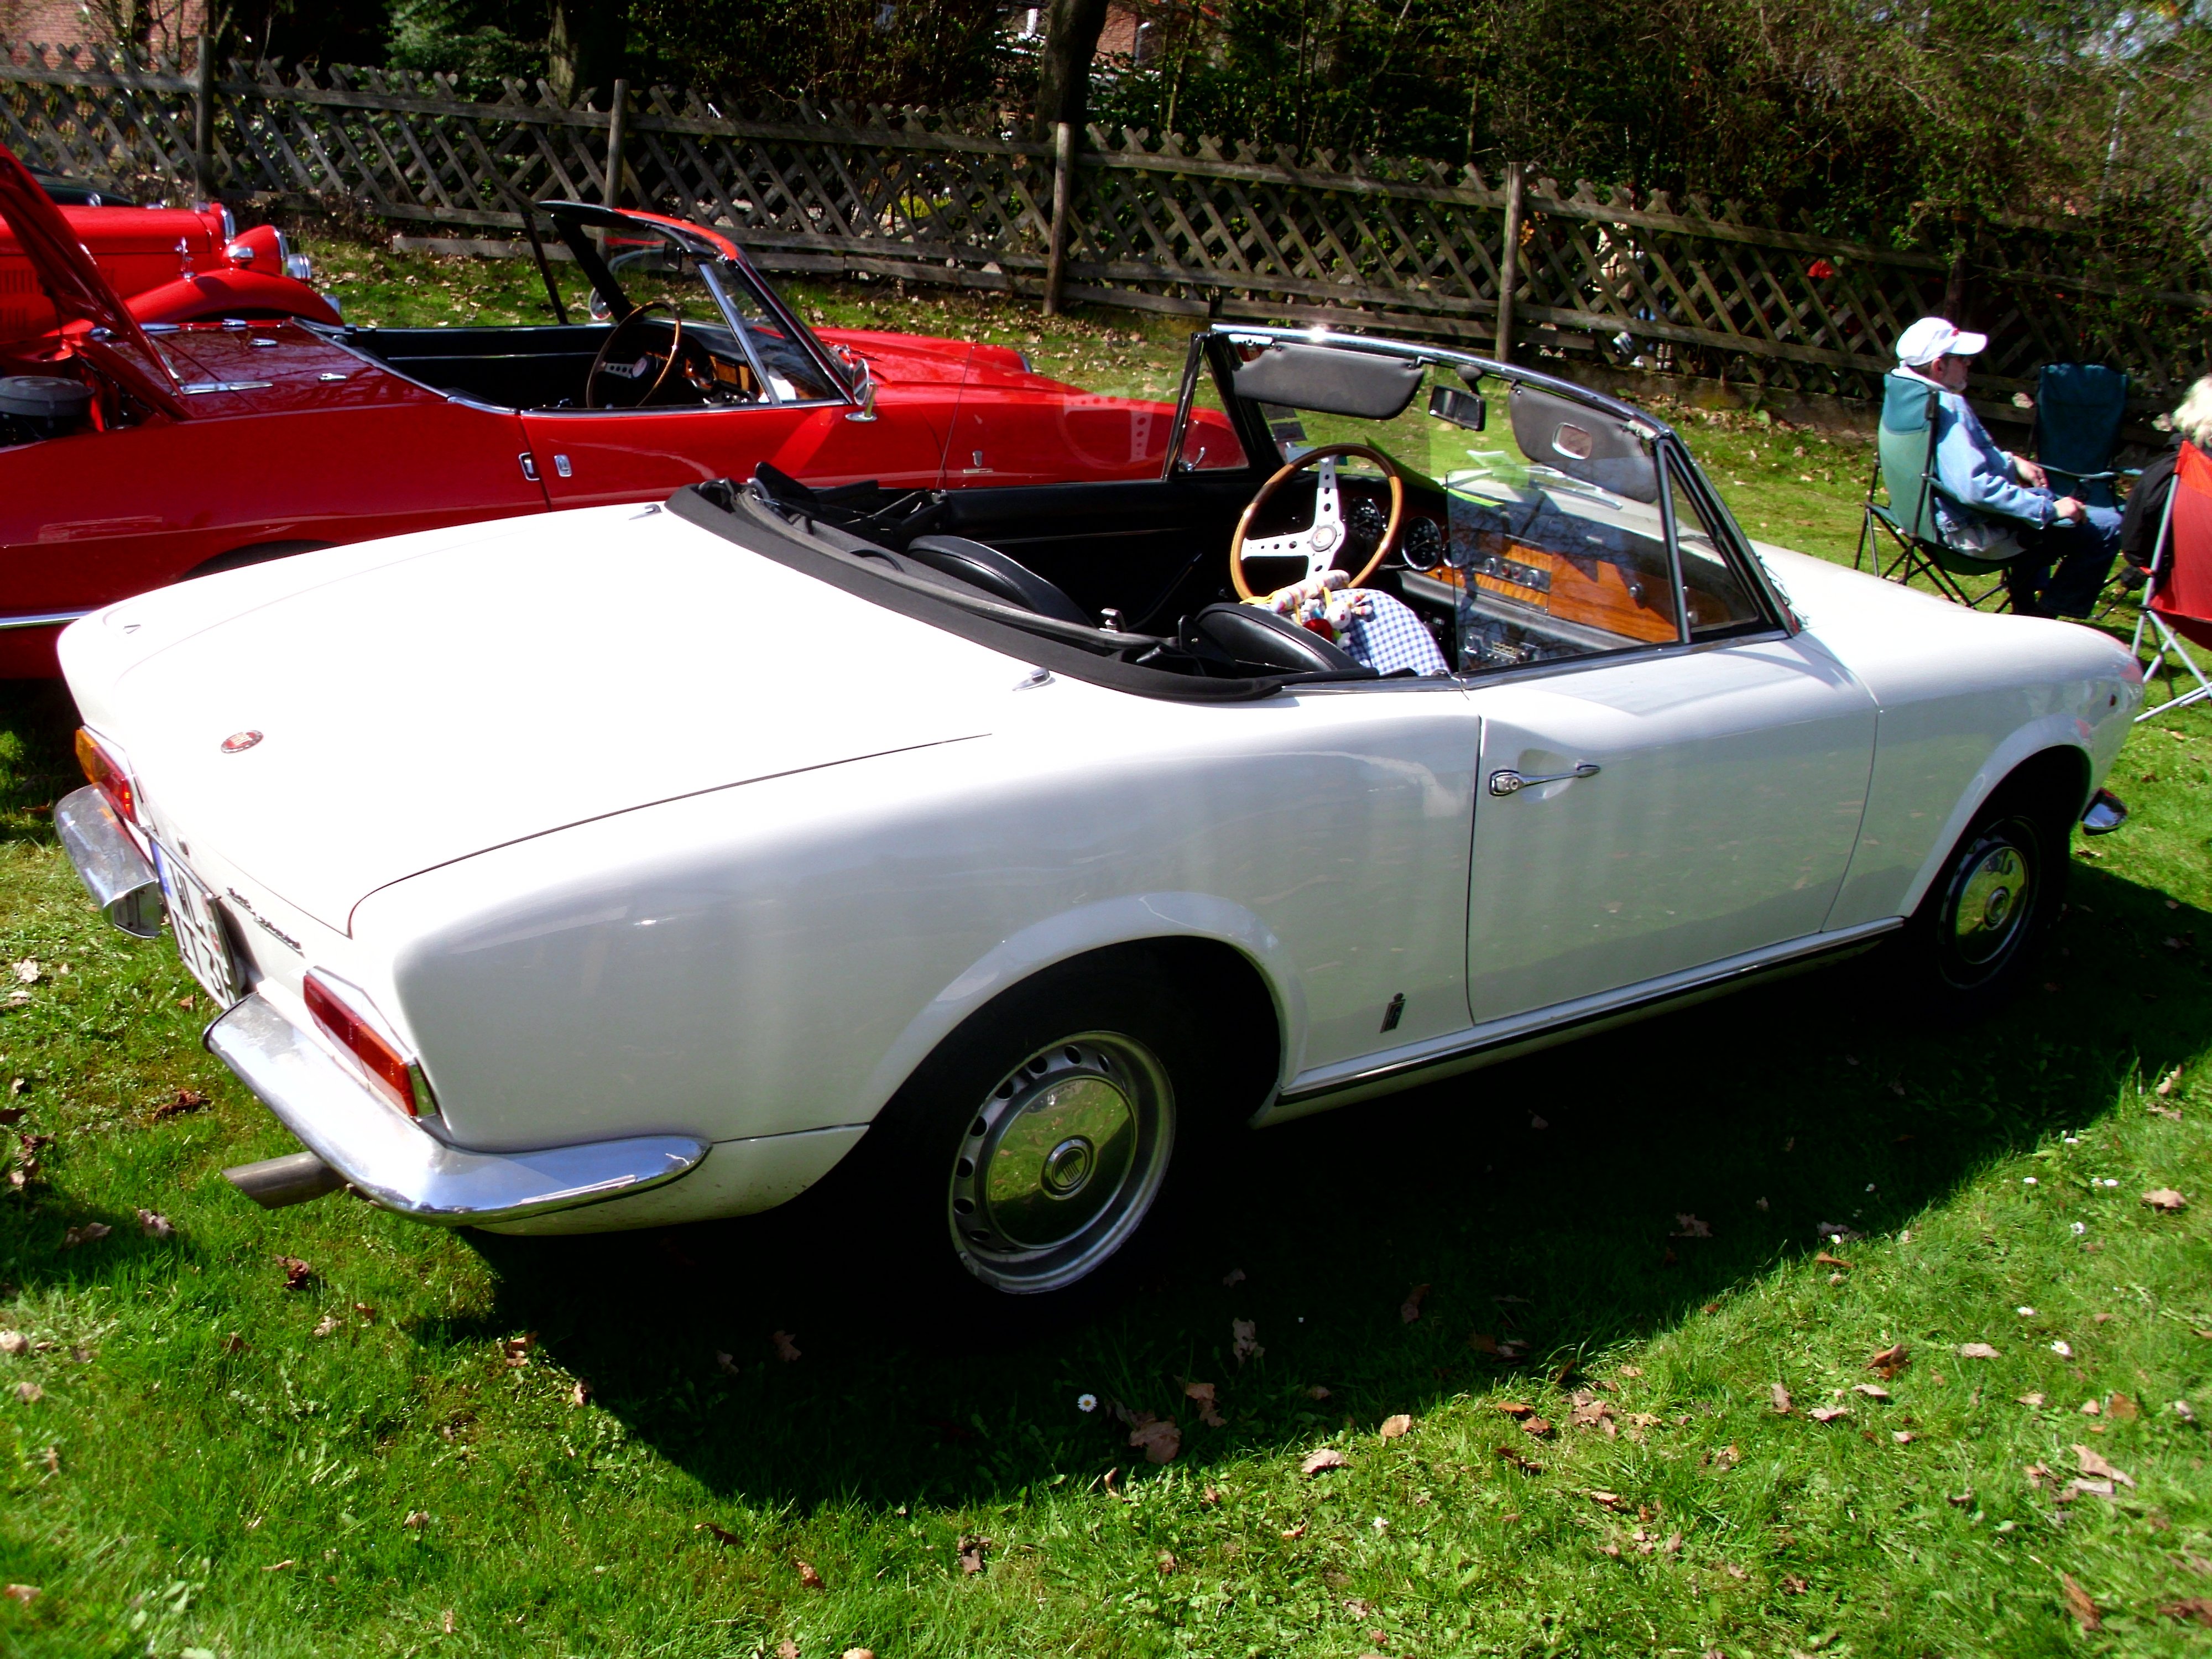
1424	544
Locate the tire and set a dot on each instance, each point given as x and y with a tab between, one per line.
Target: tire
1039	1157
1971	941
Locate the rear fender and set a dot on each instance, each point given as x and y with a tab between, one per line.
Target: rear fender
1131	920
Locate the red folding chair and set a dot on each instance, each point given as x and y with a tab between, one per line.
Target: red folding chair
2178	605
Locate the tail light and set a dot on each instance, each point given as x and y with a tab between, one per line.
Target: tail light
347	1019
114	778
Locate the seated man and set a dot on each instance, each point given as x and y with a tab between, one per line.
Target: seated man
1999	506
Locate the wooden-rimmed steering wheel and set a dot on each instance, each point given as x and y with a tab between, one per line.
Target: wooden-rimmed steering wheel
615	334
1320	543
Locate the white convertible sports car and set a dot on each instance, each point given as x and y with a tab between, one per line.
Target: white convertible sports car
638	866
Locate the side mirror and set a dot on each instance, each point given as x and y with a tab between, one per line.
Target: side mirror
1457	408
863	383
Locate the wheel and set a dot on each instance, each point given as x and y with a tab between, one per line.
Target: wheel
1039	1154
1997	893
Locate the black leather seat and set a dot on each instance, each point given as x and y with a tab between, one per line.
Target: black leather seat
1254	638
1001	578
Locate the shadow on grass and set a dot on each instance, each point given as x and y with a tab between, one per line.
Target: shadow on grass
1820	1097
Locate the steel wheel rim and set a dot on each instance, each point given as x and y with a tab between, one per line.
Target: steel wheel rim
1991	898
1061	1162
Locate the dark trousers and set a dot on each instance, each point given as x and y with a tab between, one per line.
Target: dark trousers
2061	569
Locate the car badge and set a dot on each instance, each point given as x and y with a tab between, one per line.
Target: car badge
238	742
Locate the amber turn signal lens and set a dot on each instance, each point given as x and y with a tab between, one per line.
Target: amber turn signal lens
102	768
393	1073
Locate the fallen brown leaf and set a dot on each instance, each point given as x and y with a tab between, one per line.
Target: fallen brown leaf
416	1519
1793	1585
1688	1226
1202	1394
2093	1464
1538	1427
1828	1413
1410	1308
13	1342
1520	1463
2079	1604
1166	1562
185	1100
27	970
296	1271
1977	1350
580	1394
971	1549
10	1116
1396	1427
1232	1278
1242	1346
1159	1439
2031	1399
2167	1084
2122	1408
2165	1198
155	1225
727	1363
786	1649
326	1325
26	1593
2198	1608
1289	1533
1610	1500
1871	1390
1780	1396
786	1349
1326	1458
1316	1391
858	1653
808	1578
1903	1436
1827	1261
91	1233
515	1350
29	1393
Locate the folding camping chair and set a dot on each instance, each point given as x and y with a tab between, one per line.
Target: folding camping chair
1904	467
2178	605
2078	410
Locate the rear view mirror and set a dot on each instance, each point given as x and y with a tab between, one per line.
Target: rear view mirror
1461	409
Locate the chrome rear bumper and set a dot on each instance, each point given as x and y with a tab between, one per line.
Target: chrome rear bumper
392	1161
108	862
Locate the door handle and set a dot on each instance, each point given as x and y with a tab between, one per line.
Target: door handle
1512	783
529	465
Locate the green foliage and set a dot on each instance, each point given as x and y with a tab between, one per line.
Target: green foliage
480	40
937	52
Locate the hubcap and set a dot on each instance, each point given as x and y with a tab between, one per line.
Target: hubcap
1992	901
1061	1162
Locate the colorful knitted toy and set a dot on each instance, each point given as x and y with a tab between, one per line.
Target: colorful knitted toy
1324	603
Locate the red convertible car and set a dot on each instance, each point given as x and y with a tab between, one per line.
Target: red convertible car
133	455
171	264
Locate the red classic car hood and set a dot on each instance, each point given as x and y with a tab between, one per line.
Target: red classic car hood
917	358
65	270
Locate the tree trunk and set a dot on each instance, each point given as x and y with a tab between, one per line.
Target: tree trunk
1070	41
584	46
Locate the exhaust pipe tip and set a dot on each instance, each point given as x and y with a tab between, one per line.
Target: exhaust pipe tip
275	1182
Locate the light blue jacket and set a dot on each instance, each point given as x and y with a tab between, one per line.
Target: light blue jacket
1976	479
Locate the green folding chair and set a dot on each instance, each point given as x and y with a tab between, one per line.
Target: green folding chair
1904	469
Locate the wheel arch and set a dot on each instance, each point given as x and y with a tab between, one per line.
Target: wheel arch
2053	764
252	553
1216	949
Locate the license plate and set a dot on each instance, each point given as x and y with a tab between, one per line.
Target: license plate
202	939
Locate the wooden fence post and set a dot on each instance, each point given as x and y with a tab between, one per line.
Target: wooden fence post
1063	191
617	130
203	115
1509	265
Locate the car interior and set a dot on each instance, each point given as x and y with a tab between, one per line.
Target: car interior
1548	544
663	326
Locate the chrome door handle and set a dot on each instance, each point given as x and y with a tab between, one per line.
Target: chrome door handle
1512	783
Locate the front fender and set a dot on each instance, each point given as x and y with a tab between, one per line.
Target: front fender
2038	737
1131	919
215	293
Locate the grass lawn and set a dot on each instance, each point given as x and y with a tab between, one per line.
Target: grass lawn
422	1442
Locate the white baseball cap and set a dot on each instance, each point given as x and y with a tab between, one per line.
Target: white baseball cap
1936	337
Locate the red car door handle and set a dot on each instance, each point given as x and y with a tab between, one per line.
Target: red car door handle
529	465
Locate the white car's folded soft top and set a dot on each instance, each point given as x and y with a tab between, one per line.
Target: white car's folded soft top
424	699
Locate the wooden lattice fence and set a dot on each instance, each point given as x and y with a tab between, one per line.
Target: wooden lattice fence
1187	226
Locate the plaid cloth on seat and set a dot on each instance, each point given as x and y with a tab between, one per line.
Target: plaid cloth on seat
1390	636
